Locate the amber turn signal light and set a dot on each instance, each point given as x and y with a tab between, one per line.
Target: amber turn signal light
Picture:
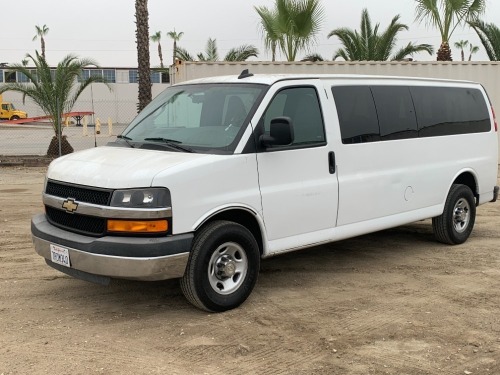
138	226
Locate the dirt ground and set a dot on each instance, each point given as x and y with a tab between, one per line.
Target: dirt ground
393	302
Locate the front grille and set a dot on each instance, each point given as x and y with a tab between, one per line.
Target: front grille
94	226
79	193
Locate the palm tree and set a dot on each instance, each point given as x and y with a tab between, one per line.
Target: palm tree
292	25
472	50
55	91
183	54
144	69
176	37
369	45
461	45
313	57
41	32
156	38
241	53
489	34
211	53
447	15
268	19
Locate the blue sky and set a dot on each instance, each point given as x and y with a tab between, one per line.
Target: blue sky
105	30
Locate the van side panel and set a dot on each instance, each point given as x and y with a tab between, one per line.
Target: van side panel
380	178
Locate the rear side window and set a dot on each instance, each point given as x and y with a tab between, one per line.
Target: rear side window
357	114
450	110
396	114
374	113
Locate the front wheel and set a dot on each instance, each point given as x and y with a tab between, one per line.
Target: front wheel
14	117
457	220
222	268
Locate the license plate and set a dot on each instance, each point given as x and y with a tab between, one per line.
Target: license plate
59	255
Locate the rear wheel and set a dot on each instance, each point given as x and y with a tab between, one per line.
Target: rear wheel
455	224
222	268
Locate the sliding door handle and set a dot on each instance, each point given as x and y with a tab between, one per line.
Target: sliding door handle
331	162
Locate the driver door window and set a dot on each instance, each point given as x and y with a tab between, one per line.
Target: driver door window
302	106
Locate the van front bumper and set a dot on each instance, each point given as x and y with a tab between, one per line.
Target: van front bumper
136	258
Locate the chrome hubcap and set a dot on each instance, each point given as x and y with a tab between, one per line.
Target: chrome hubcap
461	215
227	268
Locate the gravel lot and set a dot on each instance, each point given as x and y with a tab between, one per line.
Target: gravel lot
393	302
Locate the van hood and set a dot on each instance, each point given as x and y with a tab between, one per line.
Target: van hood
116	167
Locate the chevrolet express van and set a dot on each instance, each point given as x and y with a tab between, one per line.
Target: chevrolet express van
218	173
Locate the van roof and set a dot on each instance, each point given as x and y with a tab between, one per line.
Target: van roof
269	79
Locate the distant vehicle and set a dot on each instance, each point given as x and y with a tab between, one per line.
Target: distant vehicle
9	112
220	172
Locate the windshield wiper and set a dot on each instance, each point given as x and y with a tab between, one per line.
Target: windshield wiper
126	139
173	143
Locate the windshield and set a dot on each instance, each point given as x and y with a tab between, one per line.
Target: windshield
199	118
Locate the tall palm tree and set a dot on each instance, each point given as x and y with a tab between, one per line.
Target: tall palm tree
370	45
41	32
461	45
55	91
176	37
143	61
447	15
489	34
292	25
156	38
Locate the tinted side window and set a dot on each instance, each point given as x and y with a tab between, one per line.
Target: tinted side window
357	114
450	110
396	115
301	104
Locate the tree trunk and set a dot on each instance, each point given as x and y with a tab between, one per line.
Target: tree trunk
444	52
160	55
53	150
144	70
42	42
175	52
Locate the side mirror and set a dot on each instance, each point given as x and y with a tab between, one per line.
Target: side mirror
280	134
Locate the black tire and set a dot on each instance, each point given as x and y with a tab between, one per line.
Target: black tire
222	268
455	225
14	117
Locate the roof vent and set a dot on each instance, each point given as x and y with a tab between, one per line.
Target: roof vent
245	74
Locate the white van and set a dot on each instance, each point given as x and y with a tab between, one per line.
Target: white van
217	173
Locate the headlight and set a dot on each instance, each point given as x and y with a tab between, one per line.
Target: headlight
141	198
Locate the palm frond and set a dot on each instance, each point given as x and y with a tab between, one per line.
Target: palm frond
183	54
489	34
241	53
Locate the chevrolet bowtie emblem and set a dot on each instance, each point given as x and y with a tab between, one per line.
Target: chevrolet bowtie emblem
70	205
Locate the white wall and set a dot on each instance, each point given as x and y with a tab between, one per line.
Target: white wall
119	104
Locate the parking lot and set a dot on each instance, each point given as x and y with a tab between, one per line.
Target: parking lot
34	138
393	302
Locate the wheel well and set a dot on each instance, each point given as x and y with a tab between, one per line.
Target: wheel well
467	179
244	218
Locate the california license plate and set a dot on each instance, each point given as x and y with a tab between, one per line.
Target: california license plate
59	255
